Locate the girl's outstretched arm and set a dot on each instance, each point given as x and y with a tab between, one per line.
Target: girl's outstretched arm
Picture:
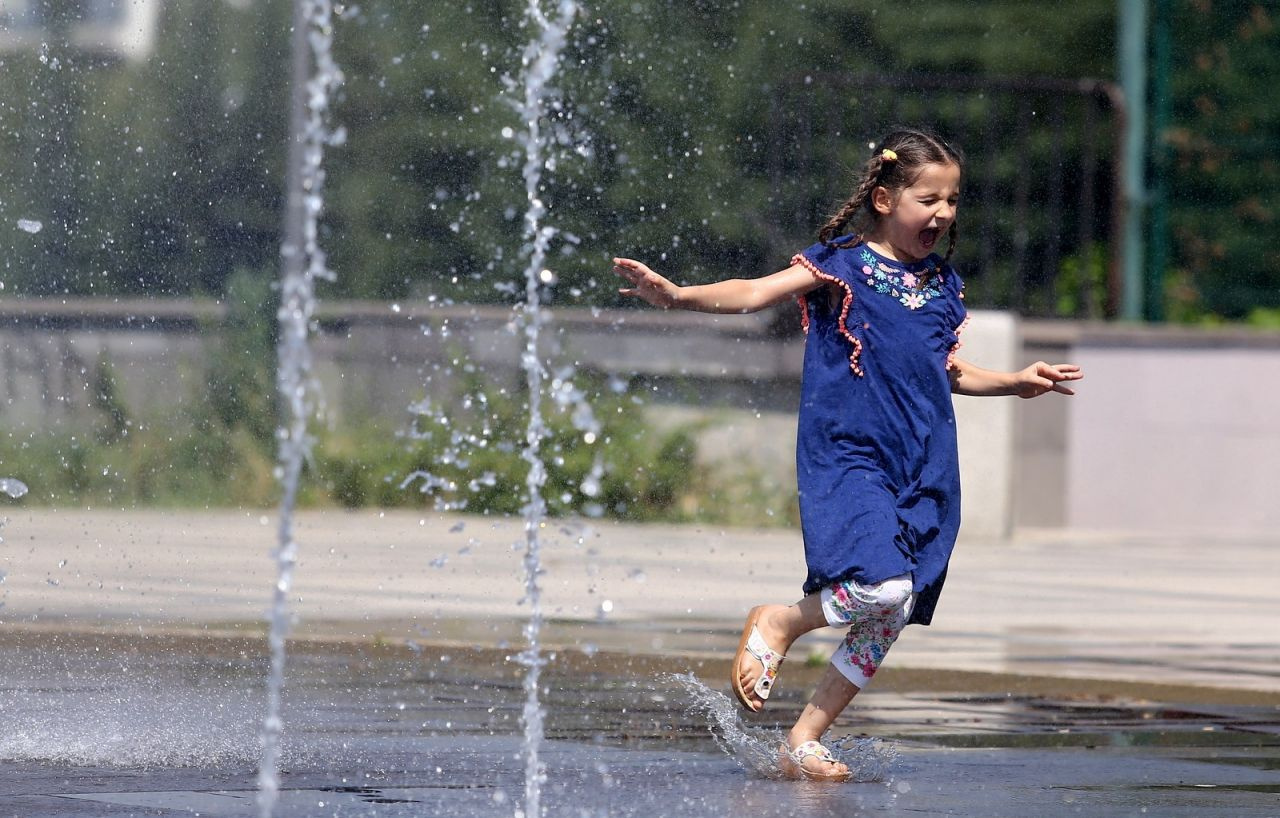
1037	379
733	295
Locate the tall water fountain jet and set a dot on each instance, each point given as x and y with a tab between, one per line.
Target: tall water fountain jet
303	263
539	64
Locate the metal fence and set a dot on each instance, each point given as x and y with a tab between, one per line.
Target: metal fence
1039	203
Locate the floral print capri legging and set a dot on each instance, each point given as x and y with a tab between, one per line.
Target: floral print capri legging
875	615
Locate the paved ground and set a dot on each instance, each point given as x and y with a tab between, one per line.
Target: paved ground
1110	675
1193	611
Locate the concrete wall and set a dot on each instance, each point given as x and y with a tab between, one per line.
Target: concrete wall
1173	430
49	351
1170	431
987	429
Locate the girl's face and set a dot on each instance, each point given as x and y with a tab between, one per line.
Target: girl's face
913	219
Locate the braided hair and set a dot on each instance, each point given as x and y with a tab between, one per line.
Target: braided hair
897	163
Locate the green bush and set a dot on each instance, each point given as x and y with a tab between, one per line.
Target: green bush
170	467
629	470
474	461
240	389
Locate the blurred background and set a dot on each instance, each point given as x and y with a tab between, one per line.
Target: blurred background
1117	207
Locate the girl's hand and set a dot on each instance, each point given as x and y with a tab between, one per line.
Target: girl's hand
646	284
1040	378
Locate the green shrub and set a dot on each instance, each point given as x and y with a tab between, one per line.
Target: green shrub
474	461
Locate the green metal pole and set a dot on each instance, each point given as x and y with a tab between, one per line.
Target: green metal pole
1158	244
1132	39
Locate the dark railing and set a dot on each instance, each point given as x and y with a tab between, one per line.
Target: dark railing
1039	207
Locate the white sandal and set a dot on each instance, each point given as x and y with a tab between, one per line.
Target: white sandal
770	660
816	750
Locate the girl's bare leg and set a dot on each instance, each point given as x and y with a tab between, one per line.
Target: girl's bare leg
780	625
832	696
876	615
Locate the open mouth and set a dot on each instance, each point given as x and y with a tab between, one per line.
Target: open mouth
929	237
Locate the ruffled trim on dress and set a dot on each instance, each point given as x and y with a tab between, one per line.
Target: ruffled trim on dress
799	258
951	355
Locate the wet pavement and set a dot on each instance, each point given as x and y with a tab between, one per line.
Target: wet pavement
120	725
132	669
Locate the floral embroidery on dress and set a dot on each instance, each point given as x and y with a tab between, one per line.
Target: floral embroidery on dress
911	289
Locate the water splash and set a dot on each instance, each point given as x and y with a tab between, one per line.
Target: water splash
116	722
755	749
313	20
461	440
540	61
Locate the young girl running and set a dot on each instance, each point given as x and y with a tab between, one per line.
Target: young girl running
876	459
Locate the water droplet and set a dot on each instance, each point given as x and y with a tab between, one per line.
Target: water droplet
30	225
13	487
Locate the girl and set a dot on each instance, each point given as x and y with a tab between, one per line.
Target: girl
876	460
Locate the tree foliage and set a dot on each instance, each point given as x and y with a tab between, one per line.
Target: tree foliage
709	138
1223	138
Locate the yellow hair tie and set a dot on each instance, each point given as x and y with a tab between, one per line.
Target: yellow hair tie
887	155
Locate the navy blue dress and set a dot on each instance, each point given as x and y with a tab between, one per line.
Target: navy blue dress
876	458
